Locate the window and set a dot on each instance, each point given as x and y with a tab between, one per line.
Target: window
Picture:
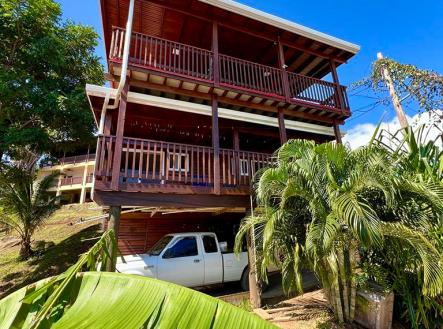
178	162
244	167
209	244
160	245
183	247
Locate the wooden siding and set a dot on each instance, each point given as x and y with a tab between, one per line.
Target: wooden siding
139	231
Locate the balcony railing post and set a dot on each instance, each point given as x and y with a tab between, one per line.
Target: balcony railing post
215	54
341	102
284	73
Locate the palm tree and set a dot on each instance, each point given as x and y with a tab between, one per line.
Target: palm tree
330	188
113	300
418	160
25	203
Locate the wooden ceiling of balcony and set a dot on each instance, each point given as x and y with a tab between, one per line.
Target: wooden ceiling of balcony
189	22
156	123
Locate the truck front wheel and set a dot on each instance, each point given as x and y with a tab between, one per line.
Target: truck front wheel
244	281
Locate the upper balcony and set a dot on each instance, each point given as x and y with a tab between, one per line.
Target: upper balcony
172	67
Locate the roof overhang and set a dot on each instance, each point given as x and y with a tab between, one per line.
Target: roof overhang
284	24
177	105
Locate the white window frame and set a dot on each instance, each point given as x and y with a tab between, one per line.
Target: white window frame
244	164
176	163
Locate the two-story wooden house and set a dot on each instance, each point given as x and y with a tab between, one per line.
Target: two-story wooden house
202	92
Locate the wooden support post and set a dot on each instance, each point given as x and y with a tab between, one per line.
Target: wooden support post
254	286
281	126
395	100
216	144
108	124
216	61
285	78
235	139
337	133
115	182
84	178
113	224
236	146
339	91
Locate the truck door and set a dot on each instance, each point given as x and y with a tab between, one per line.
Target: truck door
213	259
182	263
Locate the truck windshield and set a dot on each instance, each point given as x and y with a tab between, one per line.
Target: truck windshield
159	246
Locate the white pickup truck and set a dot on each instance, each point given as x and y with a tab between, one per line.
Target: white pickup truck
190	260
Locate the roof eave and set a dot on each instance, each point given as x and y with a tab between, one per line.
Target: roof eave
283	24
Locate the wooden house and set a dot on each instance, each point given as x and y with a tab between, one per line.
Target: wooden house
202	92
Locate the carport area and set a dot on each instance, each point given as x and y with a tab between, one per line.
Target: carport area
141	228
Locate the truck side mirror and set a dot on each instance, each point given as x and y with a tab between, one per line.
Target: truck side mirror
167	254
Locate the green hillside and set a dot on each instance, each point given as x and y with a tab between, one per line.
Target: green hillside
57	244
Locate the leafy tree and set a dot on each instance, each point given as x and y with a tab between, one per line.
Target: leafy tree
44	66
397	266
25	203
330	188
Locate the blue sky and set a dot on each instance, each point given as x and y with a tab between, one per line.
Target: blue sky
408	31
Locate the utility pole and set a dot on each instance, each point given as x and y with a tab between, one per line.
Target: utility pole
395	101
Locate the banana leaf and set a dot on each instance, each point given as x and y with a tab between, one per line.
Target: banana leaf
113	300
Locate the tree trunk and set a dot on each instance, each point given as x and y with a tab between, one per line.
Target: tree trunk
354	259
25	249
344	281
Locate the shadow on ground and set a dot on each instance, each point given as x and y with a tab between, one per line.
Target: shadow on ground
53	260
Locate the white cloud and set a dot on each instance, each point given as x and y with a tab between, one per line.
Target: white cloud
362	133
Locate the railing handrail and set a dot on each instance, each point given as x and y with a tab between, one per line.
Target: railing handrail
163	39
245	61
72	180
227	56
183	144
317	80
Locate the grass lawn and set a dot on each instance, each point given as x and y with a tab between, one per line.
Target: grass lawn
58	244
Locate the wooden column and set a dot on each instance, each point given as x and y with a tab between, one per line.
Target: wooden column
108	124
216	62
282	64
281	126
113	224
254	286
337	133
340	99
235	140
216	144
119	138
236	146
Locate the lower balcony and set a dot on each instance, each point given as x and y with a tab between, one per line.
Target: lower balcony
162	167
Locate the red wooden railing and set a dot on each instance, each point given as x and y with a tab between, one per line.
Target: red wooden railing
71	181
77	159
164	55
183	60
313	90
162	163
245	74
